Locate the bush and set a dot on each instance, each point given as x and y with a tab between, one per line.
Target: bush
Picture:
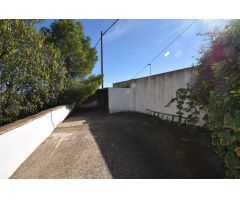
79	91
216	90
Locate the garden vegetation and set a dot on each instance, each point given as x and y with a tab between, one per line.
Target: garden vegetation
216	91
43	68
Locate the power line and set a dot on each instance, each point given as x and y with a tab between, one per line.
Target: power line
164	49
111	26
107	31
97	42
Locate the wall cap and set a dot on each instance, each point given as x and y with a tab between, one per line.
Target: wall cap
8	127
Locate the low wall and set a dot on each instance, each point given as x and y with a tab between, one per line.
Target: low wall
119	99
19	139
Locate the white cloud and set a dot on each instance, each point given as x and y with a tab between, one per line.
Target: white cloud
167	54
182	25
200	26
122	27
210	24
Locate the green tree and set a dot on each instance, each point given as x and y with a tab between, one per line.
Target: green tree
216	90
78	57
31	72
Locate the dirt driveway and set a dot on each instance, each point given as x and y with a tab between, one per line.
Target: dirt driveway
94	144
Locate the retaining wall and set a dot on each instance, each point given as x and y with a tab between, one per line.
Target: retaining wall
19	139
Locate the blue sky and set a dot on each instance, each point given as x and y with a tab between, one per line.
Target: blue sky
131	44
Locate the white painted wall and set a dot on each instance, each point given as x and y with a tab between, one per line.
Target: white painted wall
17	144
156	91
119	99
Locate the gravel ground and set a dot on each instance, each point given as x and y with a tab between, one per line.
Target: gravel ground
94	144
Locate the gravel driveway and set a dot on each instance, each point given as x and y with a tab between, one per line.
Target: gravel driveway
94	144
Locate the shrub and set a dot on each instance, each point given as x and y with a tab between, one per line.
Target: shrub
216	90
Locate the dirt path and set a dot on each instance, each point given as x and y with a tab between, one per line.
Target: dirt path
94	144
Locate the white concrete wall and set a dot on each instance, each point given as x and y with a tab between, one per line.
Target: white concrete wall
156	91
17	144
119	99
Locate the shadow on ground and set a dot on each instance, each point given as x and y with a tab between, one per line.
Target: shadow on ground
136	145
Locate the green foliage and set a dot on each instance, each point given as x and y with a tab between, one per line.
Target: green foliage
216	90
186	105
32	74
78	57
41	69
79	91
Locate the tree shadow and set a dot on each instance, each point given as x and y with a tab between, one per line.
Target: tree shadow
136	145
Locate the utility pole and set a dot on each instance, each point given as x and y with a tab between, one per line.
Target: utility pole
101	40
150	69
102	56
